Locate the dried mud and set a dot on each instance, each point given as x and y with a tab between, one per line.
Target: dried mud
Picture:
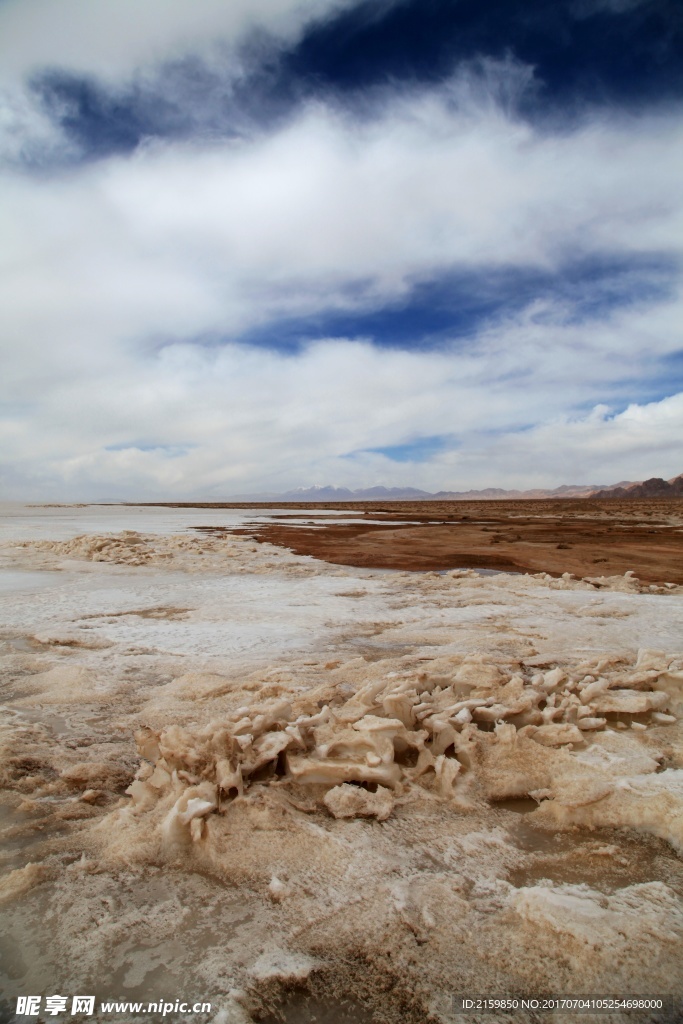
578	536
301	792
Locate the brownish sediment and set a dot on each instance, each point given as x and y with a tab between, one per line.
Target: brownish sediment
585	538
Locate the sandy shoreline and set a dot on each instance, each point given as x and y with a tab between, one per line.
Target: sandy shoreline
236	772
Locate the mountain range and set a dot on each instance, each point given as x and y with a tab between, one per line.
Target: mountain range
655	487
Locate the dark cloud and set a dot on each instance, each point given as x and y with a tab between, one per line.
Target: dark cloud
598	53
188	98
607	51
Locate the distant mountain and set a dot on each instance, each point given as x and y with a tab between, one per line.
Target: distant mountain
655	487
329	493
498	494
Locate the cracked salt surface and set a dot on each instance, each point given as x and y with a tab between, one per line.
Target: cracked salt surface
304	792
223	615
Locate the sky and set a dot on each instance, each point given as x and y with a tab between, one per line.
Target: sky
254	245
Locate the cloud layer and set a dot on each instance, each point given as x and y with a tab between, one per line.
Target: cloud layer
250	302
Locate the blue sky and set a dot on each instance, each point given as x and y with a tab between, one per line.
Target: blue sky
272	243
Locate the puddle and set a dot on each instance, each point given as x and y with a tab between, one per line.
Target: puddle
604	859
57	724
447	570
24	644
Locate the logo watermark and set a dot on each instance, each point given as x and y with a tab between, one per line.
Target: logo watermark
33	1006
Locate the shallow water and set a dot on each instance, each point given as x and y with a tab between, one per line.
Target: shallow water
604	859
21	521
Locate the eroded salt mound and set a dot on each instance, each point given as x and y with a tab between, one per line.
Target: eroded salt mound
482	735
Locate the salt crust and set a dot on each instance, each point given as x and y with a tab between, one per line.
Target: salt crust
267	767
482	735
360	813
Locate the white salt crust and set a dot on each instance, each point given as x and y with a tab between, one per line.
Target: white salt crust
232	772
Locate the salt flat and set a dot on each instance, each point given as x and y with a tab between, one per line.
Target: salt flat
247	776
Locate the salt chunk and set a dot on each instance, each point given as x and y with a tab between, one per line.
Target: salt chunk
277	889
552	679
556	734
662	719
632	702
282	965
347	801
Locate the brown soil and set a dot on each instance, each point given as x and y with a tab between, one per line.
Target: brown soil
584	537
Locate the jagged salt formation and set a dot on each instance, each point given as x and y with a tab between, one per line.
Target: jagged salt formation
129	547
571	742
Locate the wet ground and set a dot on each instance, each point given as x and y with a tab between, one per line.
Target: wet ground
587	538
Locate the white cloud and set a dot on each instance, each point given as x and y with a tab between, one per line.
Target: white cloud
251	420
180	239
115	37
600	447
110	270
423	185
